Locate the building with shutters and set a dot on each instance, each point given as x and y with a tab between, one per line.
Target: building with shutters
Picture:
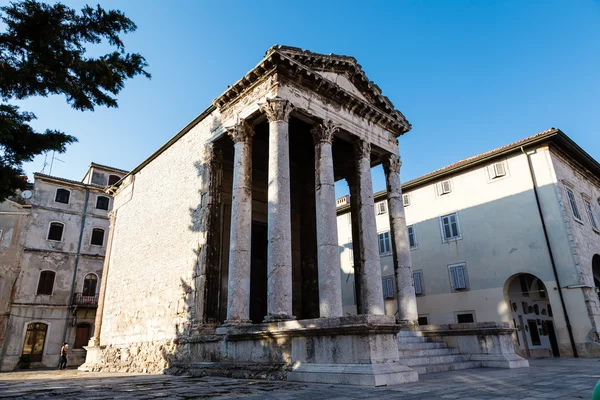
57	235
511	235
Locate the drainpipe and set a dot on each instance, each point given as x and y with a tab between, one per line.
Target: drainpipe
560	293
70	305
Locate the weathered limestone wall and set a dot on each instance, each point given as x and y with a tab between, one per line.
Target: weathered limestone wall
159	235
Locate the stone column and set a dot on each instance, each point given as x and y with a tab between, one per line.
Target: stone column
238	283
279	231
371	285
95	340
405	289
330	286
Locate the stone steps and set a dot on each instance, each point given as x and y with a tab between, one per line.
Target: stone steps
427	356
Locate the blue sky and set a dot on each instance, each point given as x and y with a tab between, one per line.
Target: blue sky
469	75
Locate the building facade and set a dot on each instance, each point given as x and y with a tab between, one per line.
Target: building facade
52	289
511	235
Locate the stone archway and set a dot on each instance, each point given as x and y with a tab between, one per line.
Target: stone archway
532	315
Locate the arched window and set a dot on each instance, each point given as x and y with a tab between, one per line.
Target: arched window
97	237
55	231
89	285
46	282
102	202
112	179
62	196
34	341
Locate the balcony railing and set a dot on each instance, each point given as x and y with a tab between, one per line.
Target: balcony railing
79	299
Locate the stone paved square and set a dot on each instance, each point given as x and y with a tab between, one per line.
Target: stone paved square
563	378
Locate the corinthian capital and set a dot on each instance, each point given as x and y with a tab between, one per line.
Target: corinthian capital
392	163
277	109
362	149
324	131
240	132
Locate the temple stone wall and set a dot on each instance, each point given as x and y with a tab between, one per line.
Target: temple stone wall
159	232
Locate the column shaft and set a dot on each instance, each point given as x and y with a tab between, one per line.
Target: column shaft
238	293
371	268
279	231
405	289
330	286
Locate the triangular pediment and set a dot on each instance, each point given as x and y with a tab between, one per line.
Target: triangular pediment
342	82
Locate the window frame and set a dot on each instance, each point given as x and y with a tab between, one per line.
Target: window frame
39	280
107	204
385	289
62	235
420	274
56	193
414	235
381	207
472	312
92	236
408	197
587	205
389	243
466	277
492	171
458	227
573	204
439	187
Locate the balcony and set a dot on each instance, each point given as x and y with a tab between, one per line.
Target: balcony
81	300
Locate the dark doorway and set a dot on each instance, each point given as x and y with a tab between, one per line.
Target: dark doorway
82	335
258	273
549	328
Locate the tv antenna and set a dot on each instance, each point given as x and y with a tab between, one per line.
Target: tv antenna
51	162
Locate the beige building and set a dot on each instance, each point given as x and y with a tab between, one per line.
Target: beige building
51	276
510	235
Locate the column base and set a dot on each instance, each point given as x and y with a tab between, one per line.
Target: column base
237	322
279	318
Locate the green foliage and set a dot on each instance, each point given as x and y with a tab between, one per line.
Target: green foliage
43	52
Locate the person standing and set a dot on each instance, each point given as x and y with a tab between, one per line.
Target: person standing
64	350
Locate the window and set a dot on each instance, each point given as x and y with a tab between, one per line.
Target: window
55	231
497	170
381	207
34	341
424	320
418	281
465	318
102	202
458	276
97	237
385	246
444	187
406	200
112	179
89	285
590	213
388	287
62	196
46	282
450	227
412	236
573	203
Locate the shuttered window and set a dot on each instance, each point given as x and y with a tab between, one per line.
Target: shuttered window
388	287
444	187
412	236
497	170
385	245
418	280
573	204
458	276
381	207
450	227
406	200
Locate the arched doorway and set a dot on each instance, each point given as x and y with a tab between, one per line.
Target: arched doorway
532	315
35	339
596	273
